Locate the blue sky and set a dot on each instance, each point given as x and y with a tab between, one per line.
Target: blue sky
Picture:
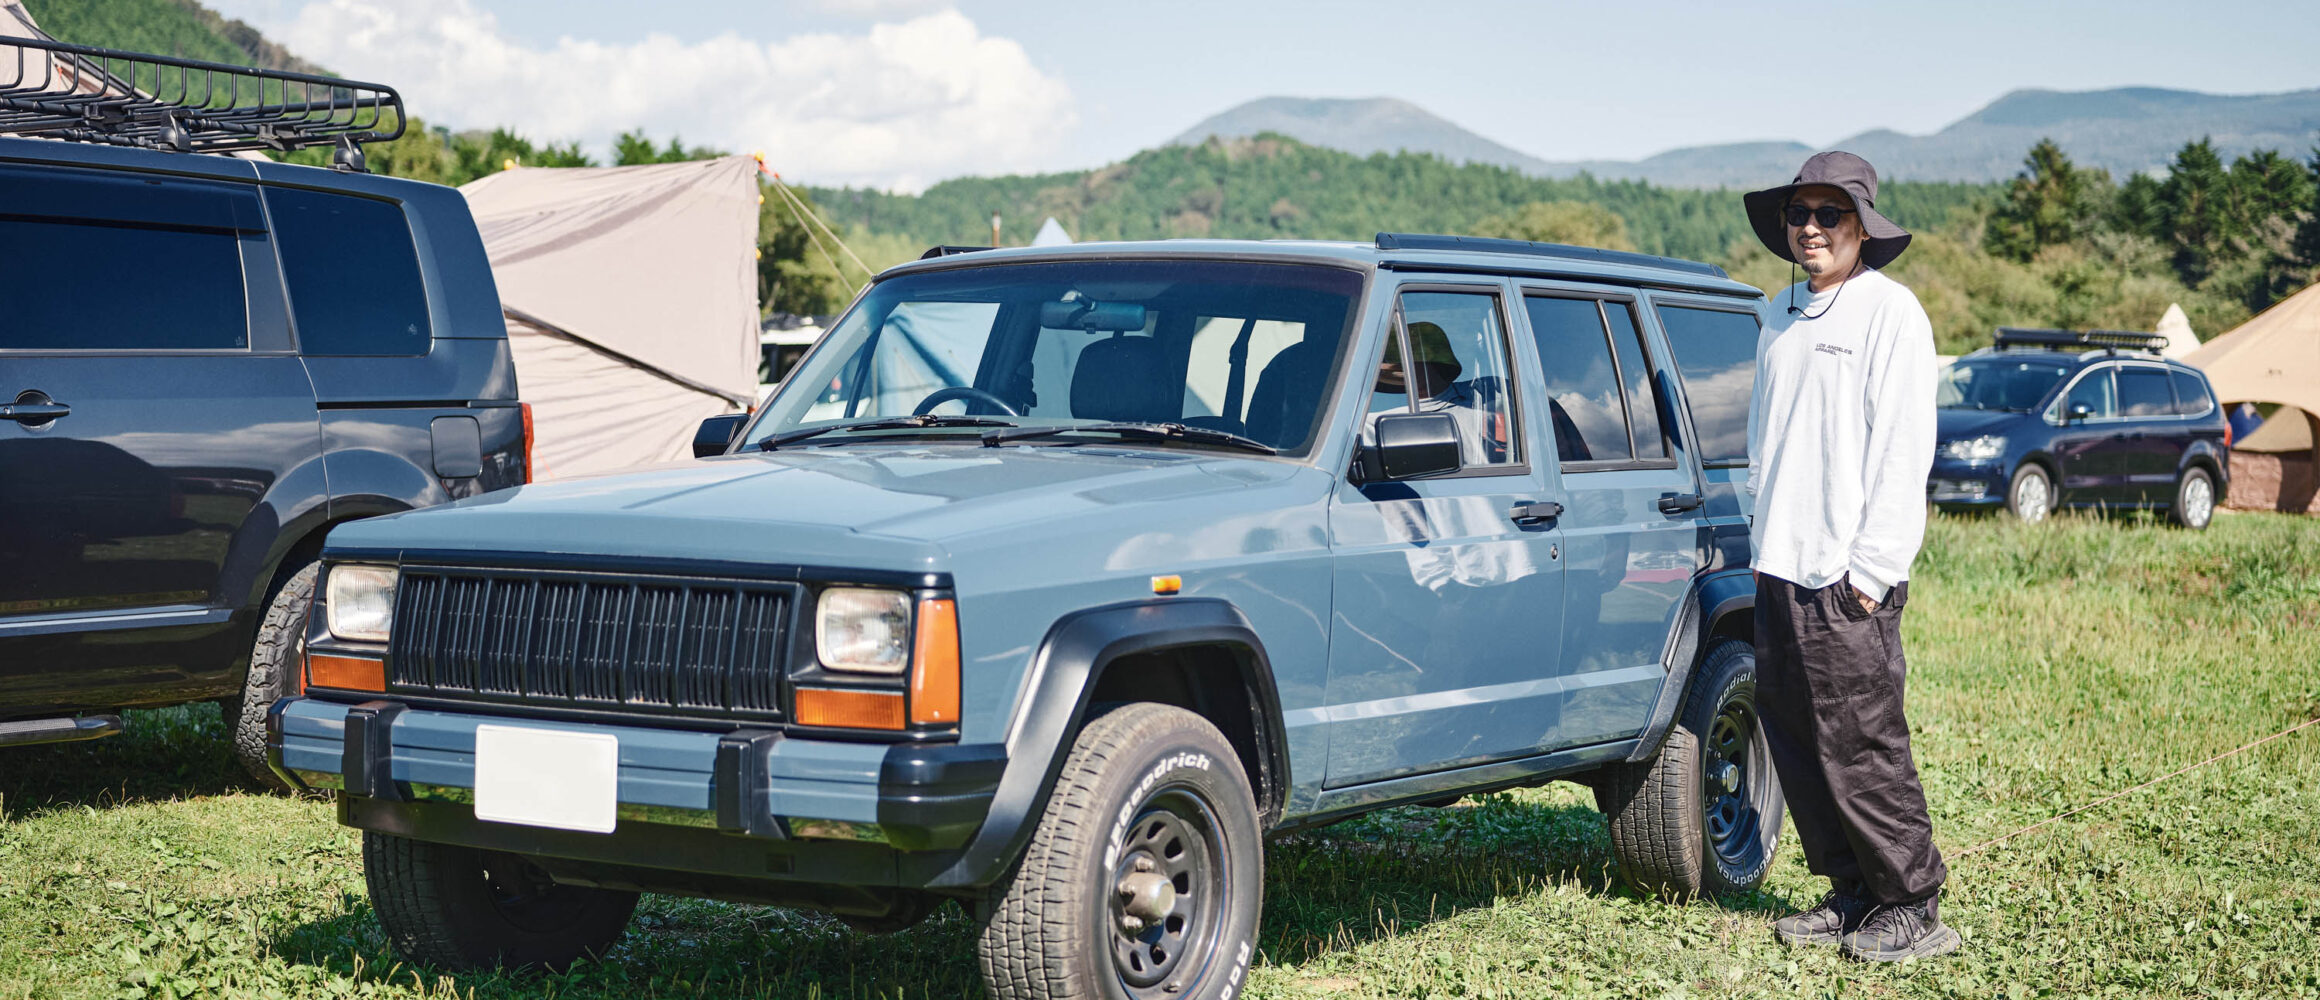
905	92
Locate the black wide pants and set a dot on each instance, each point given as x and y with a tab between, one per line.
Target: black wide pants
1829	681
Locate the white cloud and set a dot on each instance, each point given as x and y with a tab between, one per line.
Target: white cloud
876	9
899	105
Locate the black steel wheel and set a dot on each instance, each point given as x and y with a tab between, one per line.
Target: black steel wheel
1145	876
1701	818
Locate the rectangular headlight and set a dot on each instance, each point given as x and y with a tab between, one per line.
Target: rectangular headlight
863	630
362	602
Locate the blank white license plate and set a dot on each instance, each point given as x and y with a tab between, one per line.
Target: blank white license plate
547	777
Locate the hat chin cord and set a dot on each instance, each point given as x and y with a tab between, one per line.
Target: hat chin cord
1798	311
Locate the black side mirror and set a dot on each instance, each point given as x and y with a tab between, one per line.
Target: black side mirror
717	433
2078	413
1417	445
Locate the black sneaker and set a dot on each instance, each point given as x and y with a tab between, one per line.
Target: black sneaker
1838	914
1906	930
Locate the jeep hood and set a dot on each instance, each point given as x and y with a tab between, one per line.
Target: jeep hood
885	506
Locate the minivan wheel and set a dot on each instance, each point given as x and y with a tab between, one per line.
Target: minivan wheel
1703	817
1145	876
2194	500
2030	496
274	673
465	909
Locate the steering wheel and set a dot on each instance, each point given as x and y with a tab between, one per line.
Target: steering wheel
966	392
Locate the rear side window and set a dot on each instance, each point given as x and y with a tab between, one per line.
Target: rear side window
2190	393
122	262
1716	356
353	274
2143	392
1635	377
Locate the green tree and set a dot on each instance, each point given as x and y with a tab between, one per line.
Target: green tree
2195	202
2304	251
634	147
1578	223
2049	203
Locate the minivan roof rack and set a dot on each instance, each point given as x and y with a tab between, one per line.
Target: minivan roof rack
1429	241
2111	340
81	93
947	250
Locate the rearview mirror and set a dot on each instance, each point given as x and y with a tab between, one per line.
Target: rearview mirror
1417	445
1087	315
717	433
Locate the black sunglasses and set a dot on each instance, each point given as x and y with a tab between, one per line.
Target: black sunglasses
1826	215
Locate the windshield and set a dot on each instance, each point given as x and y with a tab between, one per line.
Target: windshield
1997	384
1247	349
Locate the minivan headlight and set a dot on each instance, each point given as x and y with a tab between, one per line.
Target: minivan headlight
361	602
1976	449
863	630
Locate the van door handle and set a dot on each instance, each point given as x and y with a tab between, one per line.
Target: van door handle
1536	513
33	413
1677	503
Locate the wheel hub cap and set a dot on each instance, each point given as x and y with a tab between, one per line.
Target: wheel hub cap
1147	896
1728	776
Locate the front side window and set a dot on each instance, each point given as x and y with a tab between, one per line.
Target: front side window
1997	383
1715	353
1455	364
2095	392
2143	393
1237	349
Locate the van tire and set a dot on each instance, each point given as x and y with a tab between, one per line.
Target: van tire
2195	499
2030	494
463	909
275	673
1668	838
1139	782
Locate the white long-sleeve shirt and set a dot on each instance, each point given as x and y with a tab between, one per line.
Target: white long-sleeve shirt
1841	435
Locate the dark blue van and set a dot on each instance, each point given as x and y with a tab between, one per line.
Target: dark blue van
2059	418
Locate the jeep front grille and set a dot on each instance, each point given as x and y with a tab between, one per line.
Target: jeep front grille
664	645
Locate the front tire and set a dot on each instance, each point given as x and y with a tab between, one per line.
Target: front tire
2030	497
1703	817
2194	500
1145	877
275	673
464	909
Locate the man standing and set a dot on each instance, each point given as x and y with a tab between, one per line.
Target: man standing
1840	440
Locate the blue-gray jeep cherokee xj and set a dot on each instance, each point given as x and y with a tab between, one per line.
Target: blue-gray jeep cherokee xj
1052	582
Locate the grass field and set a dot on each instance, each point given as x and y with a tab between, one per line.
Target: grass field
2052	665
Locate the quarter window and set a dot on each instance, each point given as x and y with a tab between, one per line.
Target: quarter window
2143	392
353	273
2190	393
1715	353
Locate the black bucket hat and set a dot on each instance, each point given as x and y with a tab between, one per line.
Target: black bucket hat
1846	172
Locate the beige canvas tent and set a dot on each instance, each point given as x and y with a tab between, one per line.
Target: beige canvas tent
2273	358
631	303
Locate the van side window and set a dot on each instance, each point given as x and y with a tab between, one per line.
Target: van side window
1584	402
2095	393
123	263
352	272
2190	393
2143	392
1458	366
1715	353
1635	377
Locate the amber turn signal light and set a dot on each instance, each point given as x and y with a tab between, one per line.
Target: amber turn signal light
350	673
934	663
845	709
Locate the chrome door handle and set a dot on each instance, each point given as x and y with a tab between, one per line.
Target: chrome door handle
1677	503
1536	513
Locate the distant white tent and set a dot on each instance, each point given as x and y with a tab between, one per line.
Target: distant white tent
1051	234
2176	327
631	303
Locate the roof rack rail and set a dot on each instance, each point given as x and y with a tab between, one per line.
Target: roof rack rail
81	93
947	250
2110	340
1483	244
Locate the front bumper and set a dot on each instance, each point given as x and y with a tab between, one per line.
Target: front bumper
751	802
1966	483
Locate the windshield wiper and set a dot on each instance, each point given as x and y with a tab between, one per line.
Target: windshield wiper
882	424
1144	430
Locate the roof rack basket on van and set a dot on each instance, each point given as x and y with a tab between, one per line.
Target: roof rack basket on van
2111	340
81	93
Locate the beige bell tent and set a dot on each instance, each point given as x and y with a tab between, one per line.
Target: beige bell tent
631	303
2273	358
2176	327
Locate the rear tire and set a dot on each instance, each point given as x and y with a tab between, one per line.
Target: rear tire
1145	877
2030	496
1681	824
464	909
2194	500
274	674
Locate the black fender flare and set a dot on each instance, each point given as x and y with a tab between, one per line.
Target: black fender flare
1713	596
1054	701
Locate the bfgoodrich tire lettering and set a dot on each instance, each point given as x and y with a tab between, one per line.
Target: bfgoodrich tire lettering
1145	876
1703	817
461	908
274	673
